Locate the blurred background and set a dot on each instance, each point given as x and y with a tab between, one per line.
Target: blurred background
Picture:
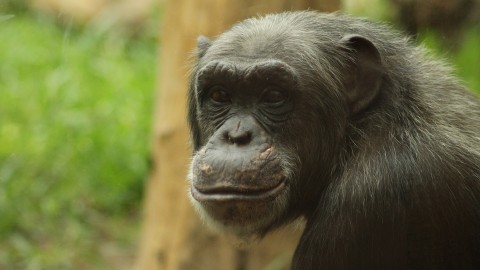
77	95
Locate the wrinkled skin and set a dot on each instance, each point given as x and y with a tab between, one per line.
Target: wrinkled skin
239	175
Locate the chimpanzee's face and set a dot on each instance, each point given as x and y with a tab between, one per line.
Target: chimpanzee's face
242	172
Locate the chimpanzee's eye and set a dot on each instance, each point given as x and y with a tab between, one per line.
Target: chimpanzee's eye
274	96
219	95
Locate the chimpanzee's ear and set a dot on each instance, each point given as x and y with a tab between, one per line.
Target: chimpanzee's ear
203	43
364	74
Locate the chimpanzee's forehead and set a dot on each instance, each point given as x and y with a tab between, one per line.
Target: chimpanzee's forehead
259	47
296	41
263	38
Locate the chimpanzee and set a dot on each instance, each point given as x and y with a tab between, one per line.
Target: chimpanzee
347	124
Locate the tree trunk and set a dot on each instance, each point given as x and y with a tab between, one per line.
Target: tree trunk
173	236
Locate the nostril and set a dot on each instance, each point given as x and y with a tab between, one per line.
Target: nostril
238	138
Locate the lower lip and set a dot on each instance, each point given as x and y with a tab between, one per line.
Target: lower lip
262	196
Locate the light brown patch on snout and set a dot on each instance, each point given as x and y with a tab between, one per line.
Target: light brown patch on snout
266	153
205	168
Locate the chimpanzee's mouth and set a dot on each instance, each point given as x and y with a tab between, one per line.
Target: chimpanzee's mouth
235	193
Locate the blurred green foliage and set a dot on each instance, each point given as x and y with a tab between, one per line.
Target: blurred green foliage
13	5
75	117
465	58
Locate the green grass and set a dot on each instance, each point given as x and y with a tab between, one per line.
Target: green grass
75	116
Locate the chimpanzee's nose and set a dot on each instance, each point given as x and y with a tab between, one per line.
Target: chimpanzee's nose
239	131
238	137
